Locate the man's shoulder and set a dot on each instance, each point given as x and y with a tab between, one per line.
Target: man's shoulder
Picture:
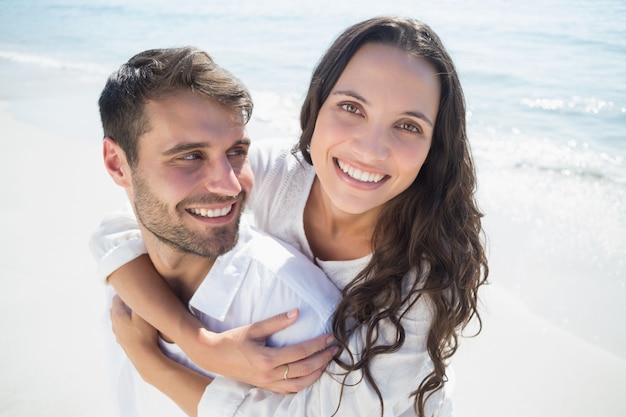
285	263
271	251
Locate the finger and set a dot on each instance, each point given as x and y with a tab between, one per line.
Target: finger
313	364
299	351
119	314
264	328
298	384
118	307
293	385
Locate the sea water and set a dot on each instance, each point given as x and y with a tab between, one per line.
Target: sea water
545	83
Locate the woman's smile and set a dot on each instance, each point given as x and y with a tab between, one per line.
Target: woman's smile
374	131
358	174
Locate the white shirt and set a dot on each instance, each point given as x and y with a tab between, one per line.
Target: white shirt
277	201
278	198
260	277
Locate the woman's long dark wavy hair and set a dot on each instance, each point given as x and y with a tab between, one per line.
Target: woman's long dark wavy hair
430	234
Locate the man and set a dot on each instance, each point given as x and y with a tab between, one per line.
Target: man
175	140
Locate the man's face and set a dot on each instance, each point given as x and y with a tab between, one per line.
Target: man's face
192	176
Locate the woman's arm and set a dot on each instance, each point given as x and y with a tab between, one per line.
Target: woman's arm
181	384
398	374
239	353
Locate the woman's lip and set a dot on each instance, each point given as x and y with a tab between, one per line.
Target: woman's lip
357	174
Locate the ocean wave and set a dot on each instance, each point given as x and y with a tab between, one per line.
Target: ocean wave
42	61
572	159
575	104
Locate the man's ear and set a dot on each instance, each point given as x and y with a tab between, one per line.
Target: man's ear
115	163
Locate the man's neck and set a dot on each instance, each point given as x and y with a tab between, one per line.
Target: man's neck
183	272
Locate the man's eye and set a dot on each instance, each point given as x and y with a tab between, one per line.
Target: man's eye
237	153
190	157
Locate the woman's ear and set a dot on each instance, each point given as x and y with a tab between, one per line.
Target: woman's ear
115	163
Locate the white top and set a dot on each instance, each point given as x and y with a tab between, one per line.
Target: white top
282	186
260	277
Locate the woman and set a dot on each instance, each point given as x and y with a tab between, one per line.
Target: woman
389	214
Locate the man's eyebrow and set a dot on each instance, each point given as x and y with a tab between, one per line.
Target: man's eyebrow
350	93
184	147
190	146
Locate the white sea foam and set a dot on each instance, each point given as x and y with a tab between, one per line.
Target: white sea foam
46	62
577	104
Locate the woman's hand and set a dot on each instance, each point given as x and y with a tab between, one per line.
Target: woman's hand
242	354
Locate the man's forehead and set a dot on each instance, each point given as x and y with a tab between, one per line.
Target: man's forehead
175	101
188	113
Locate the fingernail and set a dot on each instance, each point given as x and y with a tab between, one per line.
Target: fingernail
292	313
330	340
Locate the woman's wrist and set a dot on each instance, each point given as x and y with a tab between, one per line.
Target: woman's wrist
197	341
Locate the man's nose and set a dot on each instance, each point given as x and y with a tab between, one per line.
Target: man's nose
220	178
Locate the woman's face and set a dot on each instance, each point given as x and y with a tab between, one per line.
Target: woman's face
374	131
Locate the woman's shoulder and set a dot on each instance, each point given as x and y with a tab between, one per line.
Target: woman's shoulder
267	150
275	165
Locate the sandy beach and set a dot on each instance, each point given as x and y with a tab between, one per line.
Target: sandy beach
55	192
53	357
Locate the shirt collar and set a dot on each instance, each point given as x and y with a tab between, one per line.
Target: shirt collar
217	291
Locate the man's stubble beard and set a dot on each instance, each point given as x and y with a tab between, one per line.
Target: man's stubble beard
155	217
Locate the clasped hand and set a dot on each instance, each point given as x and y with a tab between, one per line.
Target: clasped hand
240	353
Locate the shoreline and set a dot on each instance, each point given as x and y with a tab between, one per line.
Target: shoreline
54	192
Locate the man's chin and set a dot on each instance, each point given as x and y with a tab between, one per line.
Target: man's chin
220	242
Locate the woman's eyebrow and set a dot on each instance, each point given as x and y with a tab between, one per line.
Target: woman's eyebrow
420	116
350	93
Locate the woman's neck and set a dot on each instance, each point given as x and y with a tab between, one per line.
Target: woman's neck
335	235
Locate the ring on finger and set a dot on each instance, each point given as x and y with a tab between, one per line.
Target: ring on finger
286	372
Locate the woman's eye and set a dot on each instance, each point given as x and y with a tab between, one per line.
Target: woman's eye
409	127
349	107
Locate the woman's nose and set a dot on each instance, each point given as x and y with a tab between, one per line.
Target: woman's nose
372	144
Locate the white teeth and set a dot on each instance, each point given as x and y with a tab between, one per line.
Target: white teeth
357	174
212	213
